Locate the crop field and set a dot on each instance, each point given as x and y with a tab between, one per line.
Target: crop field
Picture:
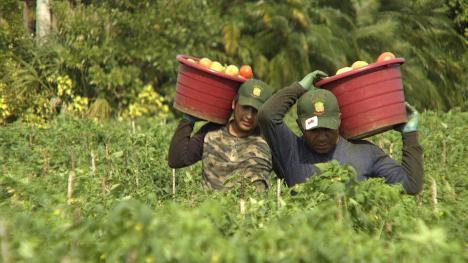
85	191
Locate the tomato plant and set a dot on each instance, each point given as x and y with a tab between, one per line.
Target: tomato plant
135	216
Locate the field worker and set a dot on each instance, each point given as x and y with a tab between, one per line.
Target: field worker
227	149
319	120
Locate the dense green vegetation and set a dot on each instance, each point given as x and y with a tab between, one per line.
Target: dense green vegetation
137	218
101	56
86	120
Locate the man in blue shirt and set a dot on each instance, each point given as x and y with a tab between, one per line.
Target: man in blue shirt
319	120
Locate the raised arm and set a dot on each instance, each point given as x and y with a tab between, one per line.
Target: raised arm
412	159
185	150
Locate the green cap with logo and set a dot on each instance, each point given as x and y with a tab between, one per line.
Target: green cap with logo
253	93
318	108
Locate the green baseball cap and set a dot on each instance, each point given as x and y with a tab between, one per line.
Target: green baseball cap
253	93
318	108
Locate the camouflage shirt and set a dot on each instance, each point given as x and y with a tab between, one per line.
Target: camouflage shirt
223	155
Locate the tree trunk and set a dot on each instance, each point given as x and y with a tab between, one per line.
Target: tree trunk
26	21
43	21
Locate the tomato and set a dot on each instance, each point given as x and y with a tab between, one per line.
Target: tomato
385	56
246	72
205	62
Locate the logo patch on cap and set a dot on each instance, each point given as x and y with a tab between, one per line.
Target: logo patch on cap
311	123
319	107
257	90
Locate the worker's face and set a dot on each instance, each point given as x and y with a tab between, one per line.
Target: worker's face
245	119
321	140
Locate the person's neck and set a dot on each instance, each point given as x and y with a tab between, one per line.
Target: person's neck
236	132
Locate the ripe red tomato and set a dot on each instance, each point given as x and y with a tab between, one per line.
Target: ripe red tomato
246	72
385	56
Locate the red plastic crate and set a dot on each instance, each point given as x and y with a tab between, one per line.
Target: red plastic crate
371	98
205	93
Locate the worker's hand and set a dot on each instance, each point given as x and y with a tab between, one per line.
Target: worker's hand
308	81
413	120
191	118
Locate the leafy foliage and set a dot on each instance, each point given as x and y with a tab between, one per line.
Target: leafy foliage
136	217
459	14
117	58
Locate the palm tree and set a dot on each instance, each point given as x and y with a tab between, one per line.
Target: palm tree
434	72
284	41
278	38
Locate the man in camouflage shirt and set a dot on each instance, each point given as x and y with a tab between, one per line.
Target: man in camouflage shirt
227	149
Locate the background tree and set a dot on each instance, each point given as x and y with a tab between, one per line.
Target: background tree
43	21
329	35
113	54
459	15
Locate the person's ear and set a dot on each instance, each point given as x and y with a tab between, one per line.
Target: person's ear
233	104
300	125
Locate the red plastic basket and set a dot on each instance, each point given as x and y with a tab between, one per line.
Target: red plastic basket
371	98
205	93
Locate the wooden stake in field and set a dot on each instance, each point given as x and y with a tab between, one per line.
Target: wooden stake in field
76	218
76	214
137	178
130	256
452	193
390	149
104	186
107	160
278	193
434	194
242	201
174	181
87	148
73	159
381	141
71	179
45	163
419	199
339	213
93	162
388	226
71	187
443	152
192	201
31	139
134	132
4	239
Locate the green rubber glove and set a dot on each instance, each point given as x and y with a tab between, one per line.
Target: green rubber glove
413	120
191	118
308	81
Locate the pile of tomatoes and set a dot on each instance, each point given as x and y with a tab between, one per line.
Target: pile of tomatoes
243	72
382	57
